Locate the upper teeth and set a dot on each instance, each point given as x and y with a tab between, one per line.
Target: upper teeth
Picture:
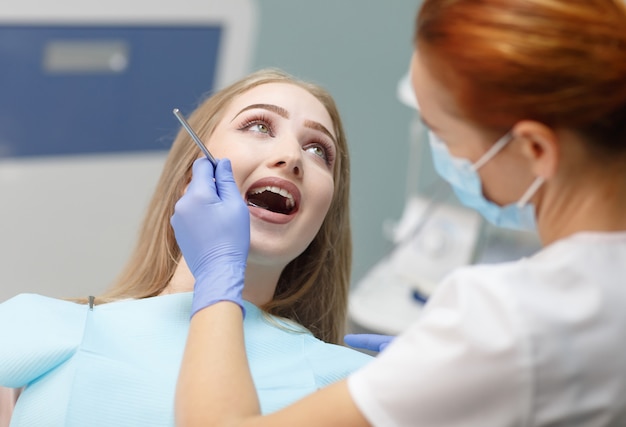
286	194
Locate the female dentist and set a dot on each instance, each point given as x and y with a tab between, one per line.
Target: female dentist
526	105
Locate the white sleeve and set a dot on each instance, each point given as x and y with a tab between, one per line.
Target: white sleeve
465	362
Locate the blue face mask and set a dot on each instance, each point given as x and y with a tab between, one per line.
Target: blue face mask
462	175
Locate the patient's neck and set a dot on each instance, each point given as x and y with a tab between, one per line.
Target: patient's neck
260	282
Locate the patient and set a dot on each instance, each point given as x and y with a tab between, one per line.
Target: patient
115	361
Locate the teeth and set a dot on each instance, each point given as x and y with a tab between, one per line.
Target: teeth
277	190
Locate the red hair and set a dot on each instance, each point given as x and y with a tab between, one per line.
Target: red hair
560	62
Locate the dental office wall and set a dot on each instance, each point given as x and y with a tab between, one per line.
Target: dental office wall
67	228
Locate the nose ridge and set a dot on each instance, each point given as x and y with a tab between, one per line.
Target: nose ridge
289	156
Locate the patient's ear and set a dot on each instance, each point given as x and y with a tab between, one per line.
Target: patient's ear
540	146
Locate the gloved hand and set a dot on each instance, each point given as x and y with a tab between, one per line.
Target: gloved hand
212	227
373	342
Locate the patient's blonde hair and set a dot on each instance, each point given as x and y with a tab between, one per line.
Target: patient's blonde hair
313	288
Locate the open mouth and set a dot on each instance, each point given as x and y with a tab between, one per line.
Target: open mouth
274	199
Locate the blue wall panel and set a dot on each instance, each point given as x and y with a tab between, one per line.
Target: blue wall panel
45	112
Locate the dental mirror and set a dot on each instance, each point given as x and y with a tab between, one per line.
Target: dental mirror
195	137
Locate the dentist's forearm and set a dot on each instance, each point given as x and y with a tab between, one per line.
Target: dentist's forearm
215	387
215	371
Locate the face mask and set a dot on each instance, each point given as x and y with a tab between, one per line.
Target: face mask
462	175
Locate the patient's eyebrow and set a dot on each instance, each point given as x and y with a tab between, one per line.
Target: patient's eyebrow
320	127
284	113
270	107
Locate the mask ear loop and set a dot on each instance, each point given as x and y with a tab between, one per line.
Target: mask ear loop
495	148
538	182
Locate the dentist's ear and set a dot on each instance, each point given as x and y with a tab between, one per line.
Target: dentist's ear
540	147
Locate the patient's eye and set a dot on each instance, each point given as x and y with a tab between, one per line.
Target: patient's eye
258	124
318	151
260	127
322	149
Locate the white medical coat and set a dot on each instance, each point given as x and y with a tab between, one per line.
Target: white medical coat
537	342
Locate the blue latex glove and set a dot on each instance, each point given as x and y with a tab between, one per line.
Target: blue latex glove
212	227
373	342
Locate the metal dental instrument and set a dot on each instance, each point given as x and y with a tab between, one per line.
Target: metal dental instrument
195	137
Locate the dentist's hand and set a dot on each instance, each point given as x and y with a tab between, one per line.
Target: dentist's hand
212	227
371	342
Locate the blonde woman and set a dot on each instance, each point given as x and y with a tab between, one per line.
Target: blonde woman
115	362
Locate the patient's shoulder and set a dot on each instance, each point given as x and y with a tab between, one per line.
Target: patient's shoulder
332	362
37	333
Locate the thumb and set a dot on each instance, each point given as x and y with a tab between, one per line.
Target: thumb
202	179
225	181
